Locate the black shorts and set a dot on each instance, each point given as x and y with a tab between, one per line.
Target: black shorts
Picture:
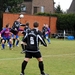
4	40
30	55
14	32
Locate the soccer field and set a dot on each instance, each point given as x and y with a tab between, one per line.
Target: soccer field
59	59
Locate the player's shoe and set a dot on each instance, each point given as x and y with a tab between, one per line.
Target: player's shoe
17	45
10	48
8	45
22	52
45	74
2	48
22	74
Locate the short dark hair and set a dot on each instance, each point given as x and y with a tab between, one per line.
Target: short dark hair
7	25
27	24
35	24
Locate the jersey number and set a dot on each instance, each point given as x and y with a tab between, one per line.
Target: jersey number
31	40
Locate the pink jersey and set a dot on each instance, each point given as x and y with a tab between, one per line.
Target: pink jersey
5	32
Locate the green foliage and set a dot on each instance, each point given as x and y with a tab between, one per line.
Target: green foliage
58	9
12	5
66	22
46	14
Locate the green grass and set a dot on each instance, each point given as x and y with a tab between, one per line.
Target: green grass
59	59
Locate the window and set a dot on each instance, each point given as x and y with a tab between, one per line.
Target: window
35	9
23	8
42	9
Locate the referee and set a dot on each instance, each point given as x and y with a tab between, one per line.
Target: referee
31	40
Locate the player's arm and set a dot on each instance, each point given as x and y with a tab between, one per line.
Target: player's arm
0	35
40	36
3	31
22	25
24	40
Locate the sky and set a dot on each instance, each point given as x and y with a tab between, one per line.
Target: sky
64	4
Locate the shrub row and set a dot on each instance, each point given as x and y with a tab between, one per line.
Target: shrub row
64	21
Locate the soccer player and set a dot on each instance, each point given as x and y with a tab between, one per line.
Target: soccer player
43	30
46	32
31	40
15	30
25	31
6	36
15	38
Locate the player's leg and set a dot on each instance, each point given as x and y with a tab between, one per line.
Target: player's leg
10	43
24	63
41	64
13	38
23	47
17	42
47	38
3	43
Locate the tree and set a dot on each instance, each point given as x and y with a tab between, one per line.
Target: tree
12	5
58	9
66	22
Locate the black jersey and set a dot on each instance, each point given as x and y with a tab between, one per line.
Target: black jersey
16	25
32	38
15	28
44	29
26	30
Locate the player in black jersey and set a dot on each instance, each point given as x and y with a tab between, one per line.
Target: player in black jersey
16	26
26	29
31	40
15	30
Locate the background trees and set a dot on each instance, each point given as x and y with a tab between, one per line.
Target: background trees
11	5
58	9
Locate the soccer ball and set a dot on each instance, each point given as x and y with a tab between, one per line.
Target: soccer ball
21	16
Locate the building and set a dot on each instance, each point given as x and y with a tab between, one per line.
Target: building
72	7
35	6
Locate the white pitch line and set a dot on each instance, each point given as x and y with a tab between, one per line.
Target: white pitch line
60	55
11	58
43	56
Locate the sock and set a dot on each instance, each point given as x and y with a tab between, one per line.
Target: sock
10	45
3	46
23	47
17	42
23	66
13	42
41	66
48	40
0	41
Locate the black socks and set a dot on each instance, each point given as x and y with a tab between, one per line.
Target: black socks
23	47
13	42
24	63
41	66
